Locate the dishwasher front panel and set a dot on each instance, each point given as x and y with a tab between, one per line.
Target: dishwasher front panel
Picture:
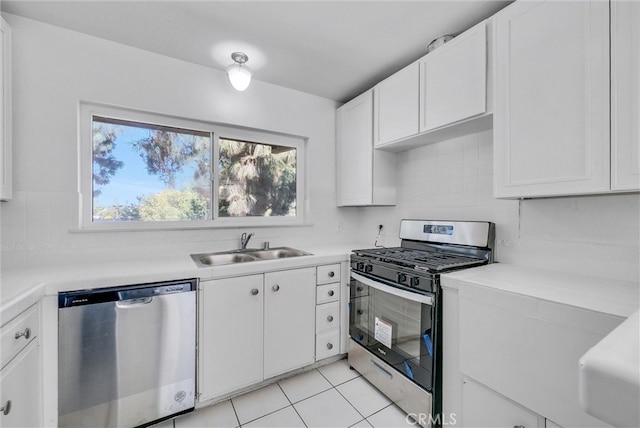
126	363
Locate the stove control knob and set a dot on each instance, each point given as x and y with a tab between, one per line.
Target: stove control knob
360	266
368	268
415	281
402	278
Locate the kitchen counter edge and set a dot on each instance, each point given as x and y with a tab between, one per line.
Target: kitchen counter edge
610	296
23	287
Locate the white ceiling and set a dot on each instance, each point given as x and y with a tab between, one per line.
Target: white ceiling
334	49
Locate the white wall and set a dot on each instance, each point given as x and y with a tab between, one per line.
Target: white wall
54	69
593	235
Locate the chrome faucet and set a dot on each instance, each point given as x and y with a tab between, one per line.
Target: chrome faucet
244	240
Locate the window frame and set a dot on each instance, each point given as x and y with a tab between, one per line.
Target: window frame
217	131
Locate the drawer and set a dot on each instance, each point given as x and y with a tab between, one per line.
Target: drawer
328	273
18	333
327	293
327	316
327	344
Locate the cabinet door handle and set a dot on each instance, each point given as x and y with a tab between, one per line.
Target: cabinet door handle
359	288
26	334
276	287
330	318
332	274
329	345
330	293
519	426
6	408
254	291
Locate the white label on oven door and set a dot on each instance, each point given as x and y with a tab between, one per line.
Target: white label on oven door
383	332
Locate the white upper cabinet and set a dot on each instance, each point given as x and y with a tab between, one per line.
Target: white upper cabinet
443	95
396	106
625	95
5	115
453	80
551	112
365	176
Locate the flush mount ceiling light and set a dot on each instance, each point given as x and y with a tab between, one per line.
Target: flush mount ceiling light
239	74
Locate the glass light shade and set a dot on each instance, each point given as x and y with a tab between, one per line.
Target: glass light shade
239	76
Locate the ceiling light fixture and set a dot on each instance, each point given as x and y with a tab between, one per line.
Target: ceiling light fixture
239	73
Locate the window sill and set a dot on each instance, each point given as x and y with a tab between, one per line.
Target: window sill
115	227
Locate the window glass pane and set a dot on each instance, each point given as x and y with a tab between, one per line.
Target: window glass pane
144	172
256	179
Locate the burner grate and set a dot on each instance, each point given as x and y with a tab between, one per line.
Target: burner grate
426	260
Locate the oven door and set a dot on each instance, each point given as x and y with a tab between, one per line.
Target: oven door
396	325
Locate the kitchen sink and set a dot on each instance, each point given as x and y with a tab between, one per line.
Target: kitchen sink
243	256
278	253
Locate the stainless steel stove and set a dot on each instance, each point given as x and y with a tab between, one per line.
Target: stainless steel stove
395	310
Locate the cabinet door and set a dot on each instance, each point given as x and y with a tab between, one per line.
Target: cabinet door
396	106
453	80
625	95
483	407
21	386
364	176
355	151
551	112
230	335
289	330
5	114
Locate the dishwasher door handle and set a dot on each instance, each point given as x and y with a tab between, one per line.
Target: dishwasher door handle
131	303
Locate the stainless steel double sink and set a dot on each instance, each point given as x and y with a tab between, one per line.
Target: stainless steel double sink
243	256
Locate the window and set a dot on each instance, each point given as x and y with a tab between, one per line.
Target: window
145	171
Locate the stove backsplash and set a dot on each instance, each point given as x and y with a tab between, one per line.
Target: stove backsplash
592	235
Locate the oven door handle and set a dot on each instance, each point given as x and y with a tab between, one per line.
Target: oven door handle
414	297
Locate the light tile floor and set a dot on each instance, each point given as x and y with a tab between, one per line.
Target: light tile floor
333	396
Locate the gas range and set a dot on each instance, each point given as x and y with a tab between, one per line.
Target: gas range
395	311
410	268
428	249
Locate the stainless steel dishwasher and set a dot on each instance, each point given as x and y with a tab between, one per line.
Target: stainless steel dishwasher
126	355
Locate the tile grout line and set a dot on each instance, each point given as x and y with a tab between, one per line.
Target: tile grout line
235	412
292	406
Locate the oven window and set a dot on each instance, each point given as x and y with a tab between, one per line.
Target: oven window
395	329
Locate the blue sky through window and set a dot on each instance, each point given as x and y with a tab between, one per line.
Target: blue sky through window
133	179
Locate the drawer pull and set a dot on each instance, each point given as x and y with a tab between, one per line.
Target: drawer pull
276	287
6	408
519	426
254	291
331	274
330	318
329	345
330	293
26	334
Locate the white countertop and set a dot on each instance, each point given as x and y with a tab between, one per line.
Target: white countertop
21	288
610	296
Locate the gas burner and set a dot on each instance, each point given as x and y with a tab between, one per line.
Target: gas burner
423	260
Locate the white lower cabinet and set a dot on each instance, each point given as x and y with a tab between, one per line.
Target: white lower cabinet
230	349
288	320
527	350
486	408
254	327
327	315
20	402
21	374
